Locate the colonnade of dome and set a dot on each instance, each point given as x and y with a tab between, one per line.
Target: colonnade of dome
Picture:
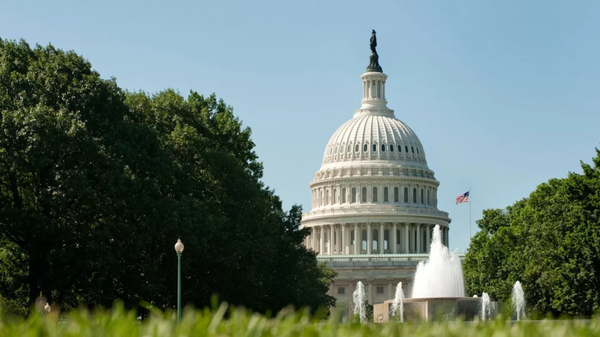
372	238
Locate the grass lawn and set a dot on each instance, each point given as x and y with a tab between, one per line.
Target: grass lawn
119	322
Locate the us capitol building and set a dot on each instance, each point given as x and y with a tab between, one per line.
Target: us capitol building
374	200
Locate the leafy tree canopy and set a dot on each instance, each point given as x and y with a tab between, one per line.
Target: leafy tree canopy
549	241
96	185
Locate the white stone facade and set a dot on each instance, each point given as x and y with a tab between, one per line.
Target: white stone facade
374	201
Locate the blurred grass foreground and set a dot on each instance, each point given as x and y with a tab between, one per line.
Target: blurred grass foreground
227	321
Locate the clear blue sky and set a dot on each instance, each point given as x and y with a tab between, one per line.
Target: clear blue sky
504	95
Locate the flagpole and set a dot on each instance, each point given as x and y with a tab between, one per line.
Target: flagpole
470	216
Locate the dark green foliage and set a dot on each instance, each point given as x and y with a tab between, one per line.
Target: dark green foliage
549	241
97	185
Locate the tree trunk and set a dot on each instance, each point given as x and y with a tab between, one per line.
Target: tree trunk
38	278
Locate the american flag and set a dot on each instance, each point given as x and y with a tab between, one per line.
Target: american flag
462	198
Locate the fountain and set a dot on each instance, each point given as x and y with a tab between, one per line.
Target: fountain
359	302
485	306
518	300
398	304
438	291
441	275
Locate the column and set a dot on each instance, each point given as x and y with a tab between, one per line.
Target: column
330	249
356	241
428	237
321	240
370	291
350	293
406	241
340	239
344	230
390	294
418	238
307	242
395	239
313	234
369	239
444	236
381	237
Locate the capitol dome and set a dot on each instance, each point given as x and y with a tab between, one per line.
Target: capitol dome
378	137
374	199
374	194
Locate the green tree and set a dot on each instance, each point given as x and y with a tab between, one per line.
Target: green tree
549	242
97	185
245	248
64	173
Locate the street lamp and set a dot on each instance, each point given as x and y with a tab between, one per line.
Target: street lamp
179	250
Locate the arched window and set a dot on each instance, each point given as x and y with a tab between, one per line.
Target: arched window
363	239
406	194
385	194
428	200
398	240
353	196
382	147
365	148
343	195
412	149
342	149
349	148
375	240
391	148
395	194
374	147
414	195
374	194
399	148
406	148
356	148
417	150
364	195
334	196
422	196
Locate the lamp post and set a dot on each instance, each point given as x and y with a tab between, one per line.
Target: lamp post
179	250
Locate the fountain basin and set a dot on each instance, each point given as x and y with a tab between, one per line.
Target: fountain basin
435	309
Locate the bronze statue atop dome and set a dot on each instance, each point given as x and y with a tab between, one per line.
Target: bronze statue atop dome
373	41
374	58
